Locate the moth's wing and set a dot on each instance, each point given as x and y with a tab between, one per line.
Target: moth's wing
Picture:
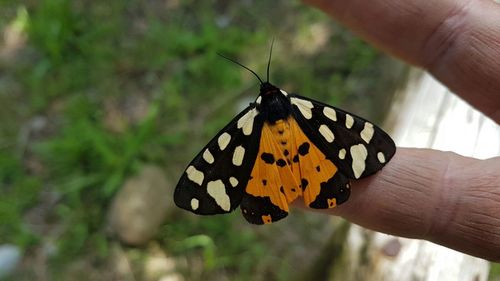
357	147
272	185
214	182
322	184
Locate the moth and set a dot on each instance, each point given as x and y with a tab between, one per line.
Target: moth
280	148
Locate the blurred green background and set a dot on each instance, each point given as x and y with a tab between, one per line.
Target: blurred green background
94	91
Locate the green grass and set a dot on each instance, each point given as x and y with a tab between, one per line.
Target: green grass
19	192
120	84
494	272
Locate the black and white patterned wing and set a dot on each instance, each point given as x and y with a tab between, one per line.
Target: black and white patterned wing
357	147
214	182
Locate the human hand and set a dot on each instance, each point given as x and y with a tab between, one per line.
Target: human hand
422	193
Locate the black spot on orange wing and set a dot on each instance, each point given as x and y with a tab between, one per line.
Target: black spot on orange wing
304	148
303	184
267	157
264	182
296	158
281	163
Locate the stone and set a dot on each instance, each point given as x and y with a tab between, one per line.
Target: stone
10	256
140	206
157	265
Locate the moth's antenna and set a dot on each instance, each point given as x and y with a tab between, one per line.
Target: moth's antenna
269	60
233	61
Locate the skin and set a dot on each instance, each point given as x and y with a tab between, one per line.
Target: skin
423	193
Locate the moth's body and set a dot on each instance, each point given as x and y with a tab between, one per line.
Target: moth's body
280	148
273	103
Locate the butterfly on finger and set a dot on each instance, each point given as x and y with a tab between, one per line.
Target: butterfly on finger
280	148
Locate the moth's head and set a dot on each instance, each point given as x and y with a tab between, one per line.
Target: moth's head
267	89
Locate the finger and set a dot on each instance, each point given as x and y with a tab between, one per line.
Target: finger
456	40
438	196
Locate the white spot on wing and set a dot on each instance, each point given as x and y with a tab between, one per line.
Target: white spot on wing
208	156
217	191
239	153
367	132
381	157
258	100
224	140
284	93
342	154
195	204
326	133
233	181
349	121
246	121
195	175
304	106
358	153
330	113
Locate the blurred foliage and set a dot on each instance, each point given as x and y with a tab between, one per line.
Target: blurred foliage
494	272
19	192
95	89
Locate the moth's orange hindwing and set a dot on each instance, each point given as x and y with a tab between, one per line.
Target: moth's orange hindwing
268	191
215	180
288	166
322	184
